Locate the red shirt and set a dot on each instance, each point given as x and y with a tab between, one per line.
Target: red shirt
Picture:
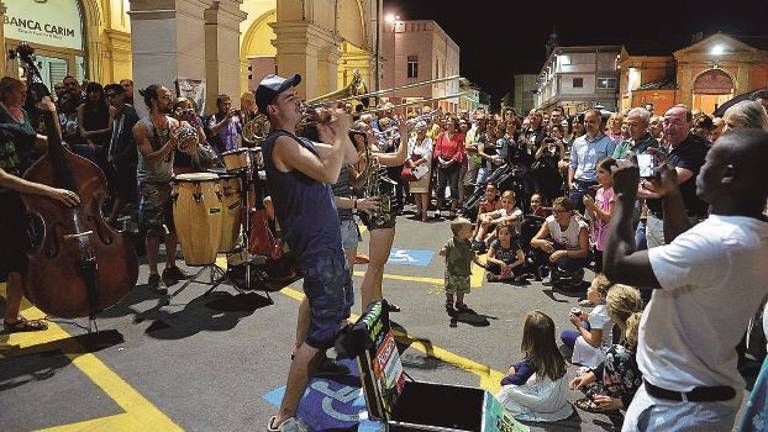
450	148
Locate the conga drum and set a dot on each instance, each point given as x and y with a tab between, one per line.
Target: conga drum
230	211
197	215
236	160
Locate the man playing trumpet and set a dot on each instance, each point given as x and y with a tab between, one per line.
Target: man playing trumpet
299	174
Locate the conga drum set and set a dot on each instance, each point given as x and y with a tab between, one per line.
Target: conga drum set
209	217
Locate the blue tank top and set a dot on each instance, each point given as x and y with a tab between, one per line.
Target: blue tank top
305	208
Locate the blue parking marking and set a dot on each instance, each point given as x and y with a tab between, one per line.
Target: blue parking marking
413	257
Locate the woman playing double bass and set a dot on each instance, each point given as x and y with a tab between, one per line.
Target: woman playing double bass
18	140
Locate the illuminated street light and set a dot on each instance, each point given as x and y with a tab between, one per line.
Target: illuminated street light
390	18
717	50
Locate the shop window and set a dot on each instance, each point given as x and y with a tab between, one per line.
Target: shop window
606	83
578	82
413	66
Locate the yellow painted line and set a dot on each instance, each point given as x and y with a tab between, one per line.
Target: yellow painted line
478	274
489	378
140	414
427	280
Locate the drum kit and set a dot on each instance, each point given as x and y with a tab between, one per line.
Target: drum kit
209	217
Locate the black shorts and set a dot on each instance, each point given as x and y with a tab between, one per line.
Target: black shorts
124	182
14	226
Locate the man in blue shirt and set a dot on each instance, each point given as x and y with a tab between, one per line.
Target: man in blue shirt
586	152
299	174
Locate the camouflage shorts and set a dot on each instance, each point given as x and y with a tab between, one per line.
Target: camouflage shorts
156	209
456	284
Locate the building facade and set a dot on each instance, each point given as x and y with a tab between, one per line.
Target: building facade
523	92
83	38
702	76
416	51
579	78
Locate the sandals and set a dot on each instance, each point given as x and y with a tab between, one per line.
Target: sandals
25	325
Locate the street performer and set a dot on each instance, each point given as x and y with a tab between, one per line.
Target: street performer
299	174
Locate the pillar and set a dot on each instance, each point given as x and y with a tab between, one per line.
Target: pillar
310	51
222	51
2	39
167	41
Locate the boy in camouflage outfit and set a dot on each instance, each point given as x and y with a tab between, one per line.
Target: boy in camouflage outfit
459	256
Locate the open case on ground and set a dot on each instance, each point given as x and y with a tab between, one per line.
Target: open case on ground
403	404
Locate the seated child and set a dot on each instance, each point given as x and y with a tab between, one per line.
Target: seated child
459	256
505	258
537	207
536	389
509	212
594	333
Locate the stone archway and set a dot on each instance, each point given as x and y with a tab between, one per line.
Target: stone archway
323	40
711	89
257	51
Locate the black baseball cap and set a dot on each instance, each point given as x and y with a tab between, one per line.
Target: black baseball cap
271	86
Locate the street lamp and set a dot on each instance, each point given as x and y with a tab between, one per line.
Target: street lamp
390	18
717	50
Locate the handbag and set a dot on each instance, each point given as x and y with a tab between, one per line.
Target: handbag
409	173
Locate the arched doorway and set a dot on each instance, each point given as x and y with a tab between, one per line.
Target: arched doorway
711	89
257	49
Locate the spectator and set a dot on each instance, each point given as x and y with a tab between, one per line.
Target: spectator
95	123
599	209
563	241
656	127
640	139
761	97
122	154
420	149
745	114
545	172
703	127
613	127
718	126
509	213
535	388
127	84
586	152
686	155
505	258
449	151
593	335
613	383
692	323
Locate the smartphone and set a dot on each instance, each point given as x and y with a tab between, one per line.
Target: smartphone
647	164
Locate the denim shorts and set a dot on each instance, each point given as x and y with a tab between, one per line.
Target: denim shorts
350	235
328	286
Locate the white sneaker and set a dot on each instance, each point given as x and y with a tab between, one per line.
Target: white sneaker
291	424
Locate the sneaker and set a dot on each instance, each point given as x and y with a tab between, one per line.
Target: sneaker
330	367
156	284
548	281
490	277
172	275
291	424
586	303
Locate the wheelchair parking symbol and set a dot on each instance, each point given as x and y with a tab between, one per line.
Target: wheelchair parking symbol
414	257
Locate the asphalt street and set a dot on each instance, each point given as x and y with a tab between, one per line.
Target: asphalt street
218	362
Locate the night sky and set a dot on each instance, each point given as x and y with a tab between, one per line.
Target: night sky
499	38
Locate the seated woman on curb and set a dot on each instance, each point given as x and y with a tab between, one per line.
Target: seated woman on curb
612	384
563	240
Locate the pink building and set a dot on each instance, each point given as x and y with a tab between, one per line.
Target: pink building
415	51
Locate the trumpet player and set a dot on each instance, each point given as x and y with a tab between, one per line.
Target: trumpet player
299	174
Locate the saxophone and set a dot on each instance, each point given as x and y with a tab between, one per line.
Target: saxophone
375	178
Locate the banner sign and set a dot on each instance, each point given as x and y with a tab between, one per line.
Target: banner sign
496	418
194	90
55	23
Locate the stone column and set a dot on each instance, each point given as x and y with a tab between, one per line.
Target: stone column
2	39
310	51
222	51
167	42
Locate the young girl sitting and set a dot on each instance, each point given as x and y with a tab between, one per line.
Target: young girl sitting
600	209
505	258
535	389
593	334
509	212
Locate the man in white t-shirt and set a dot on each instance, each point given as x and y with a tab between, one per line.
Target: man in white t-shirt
708	282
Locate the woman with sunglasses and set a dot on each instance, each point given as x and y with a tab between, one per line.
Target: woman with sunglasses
563	241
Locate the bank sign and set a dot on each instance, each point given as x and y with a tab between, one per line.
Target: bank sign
54	23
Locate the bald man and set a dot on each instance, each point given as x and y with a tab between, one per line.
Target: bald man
707	283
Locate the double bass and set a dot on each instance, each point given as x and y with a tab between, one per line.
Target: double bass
79	265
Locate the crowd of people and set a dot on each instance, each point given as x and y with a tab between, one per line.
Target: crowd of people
667	209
